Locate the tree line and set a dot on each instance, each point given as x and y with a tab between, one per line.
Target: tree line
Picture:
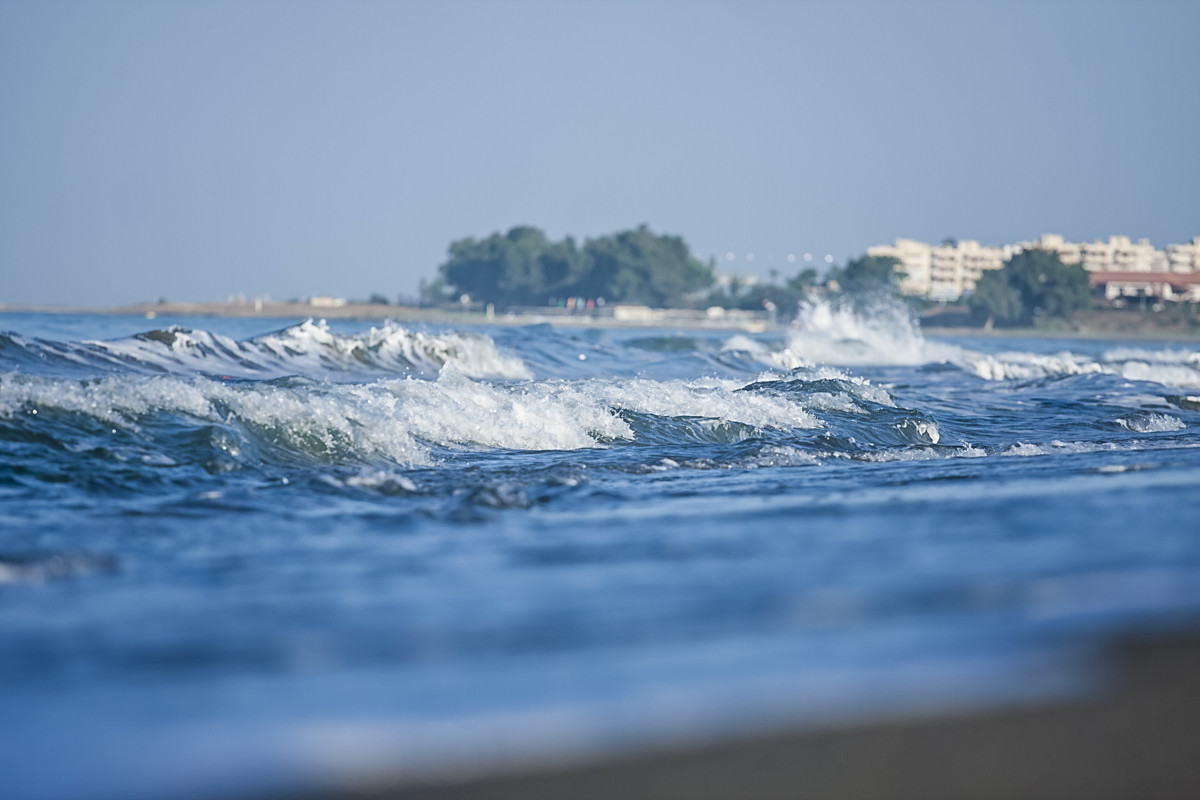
1033	285
524	267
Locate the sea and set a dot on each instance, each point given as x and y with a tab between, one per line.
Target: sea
251	557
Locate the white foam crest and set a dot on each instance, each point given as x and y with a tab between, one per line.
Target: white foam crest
828	401
115	400
783	359
179	349
861	388
777	456
1164	373
891	456
298	417
1163	356
381	481
312	349
393	346
1151	422
1056	446
339	422
710	398
921	429
400	419
1027	366
884	333
454	410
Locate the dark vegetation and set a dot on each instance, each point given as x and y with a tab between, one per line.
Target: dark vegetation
867	276
525	268
1033	287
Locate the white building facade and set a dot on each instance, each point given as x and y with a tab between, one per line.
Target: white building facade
1184	258
950	271
941	272
915	262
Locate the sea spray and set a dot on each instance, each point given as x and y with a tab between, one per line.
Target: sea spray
882	330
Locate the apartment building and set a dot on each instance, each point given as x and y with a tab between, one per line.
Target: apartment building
1068	252
941	272
1119	254
916	261
951	270
1184	258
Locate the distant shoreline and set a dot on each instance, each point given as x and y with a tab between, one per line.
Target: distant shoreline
1108	324
658	318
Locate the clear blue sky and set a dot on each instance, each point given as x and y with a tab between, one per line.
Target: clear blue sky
192	150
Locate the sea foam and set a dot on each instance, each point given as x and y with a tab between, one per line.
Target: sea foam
403	421
312	349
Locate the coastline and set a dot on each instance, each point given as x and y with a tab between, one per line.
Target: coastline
1098	325
378	311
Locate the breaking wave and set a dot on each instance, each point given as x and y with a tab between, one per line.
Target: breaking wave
309	348
409	421
1151	422
1130	365
886	333
390	398
883	332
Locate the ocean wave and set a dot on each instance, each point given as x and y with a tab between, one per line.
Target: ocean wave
1029	366
1057	447
406	421
1184	374
883	332
886	333
1164	356
1151	422
310	348
1026	366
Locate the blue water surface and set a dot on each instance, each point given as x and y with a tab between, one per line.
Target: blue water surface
245	555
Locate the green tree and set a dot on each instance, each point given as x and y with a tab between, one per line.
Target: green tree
785	297
523	267
1034	284
1047	286
868	275
432	293
639	266
995	300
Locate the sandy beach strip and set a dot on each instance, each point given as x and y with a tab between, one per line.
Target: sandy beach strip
1138	739
662	319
